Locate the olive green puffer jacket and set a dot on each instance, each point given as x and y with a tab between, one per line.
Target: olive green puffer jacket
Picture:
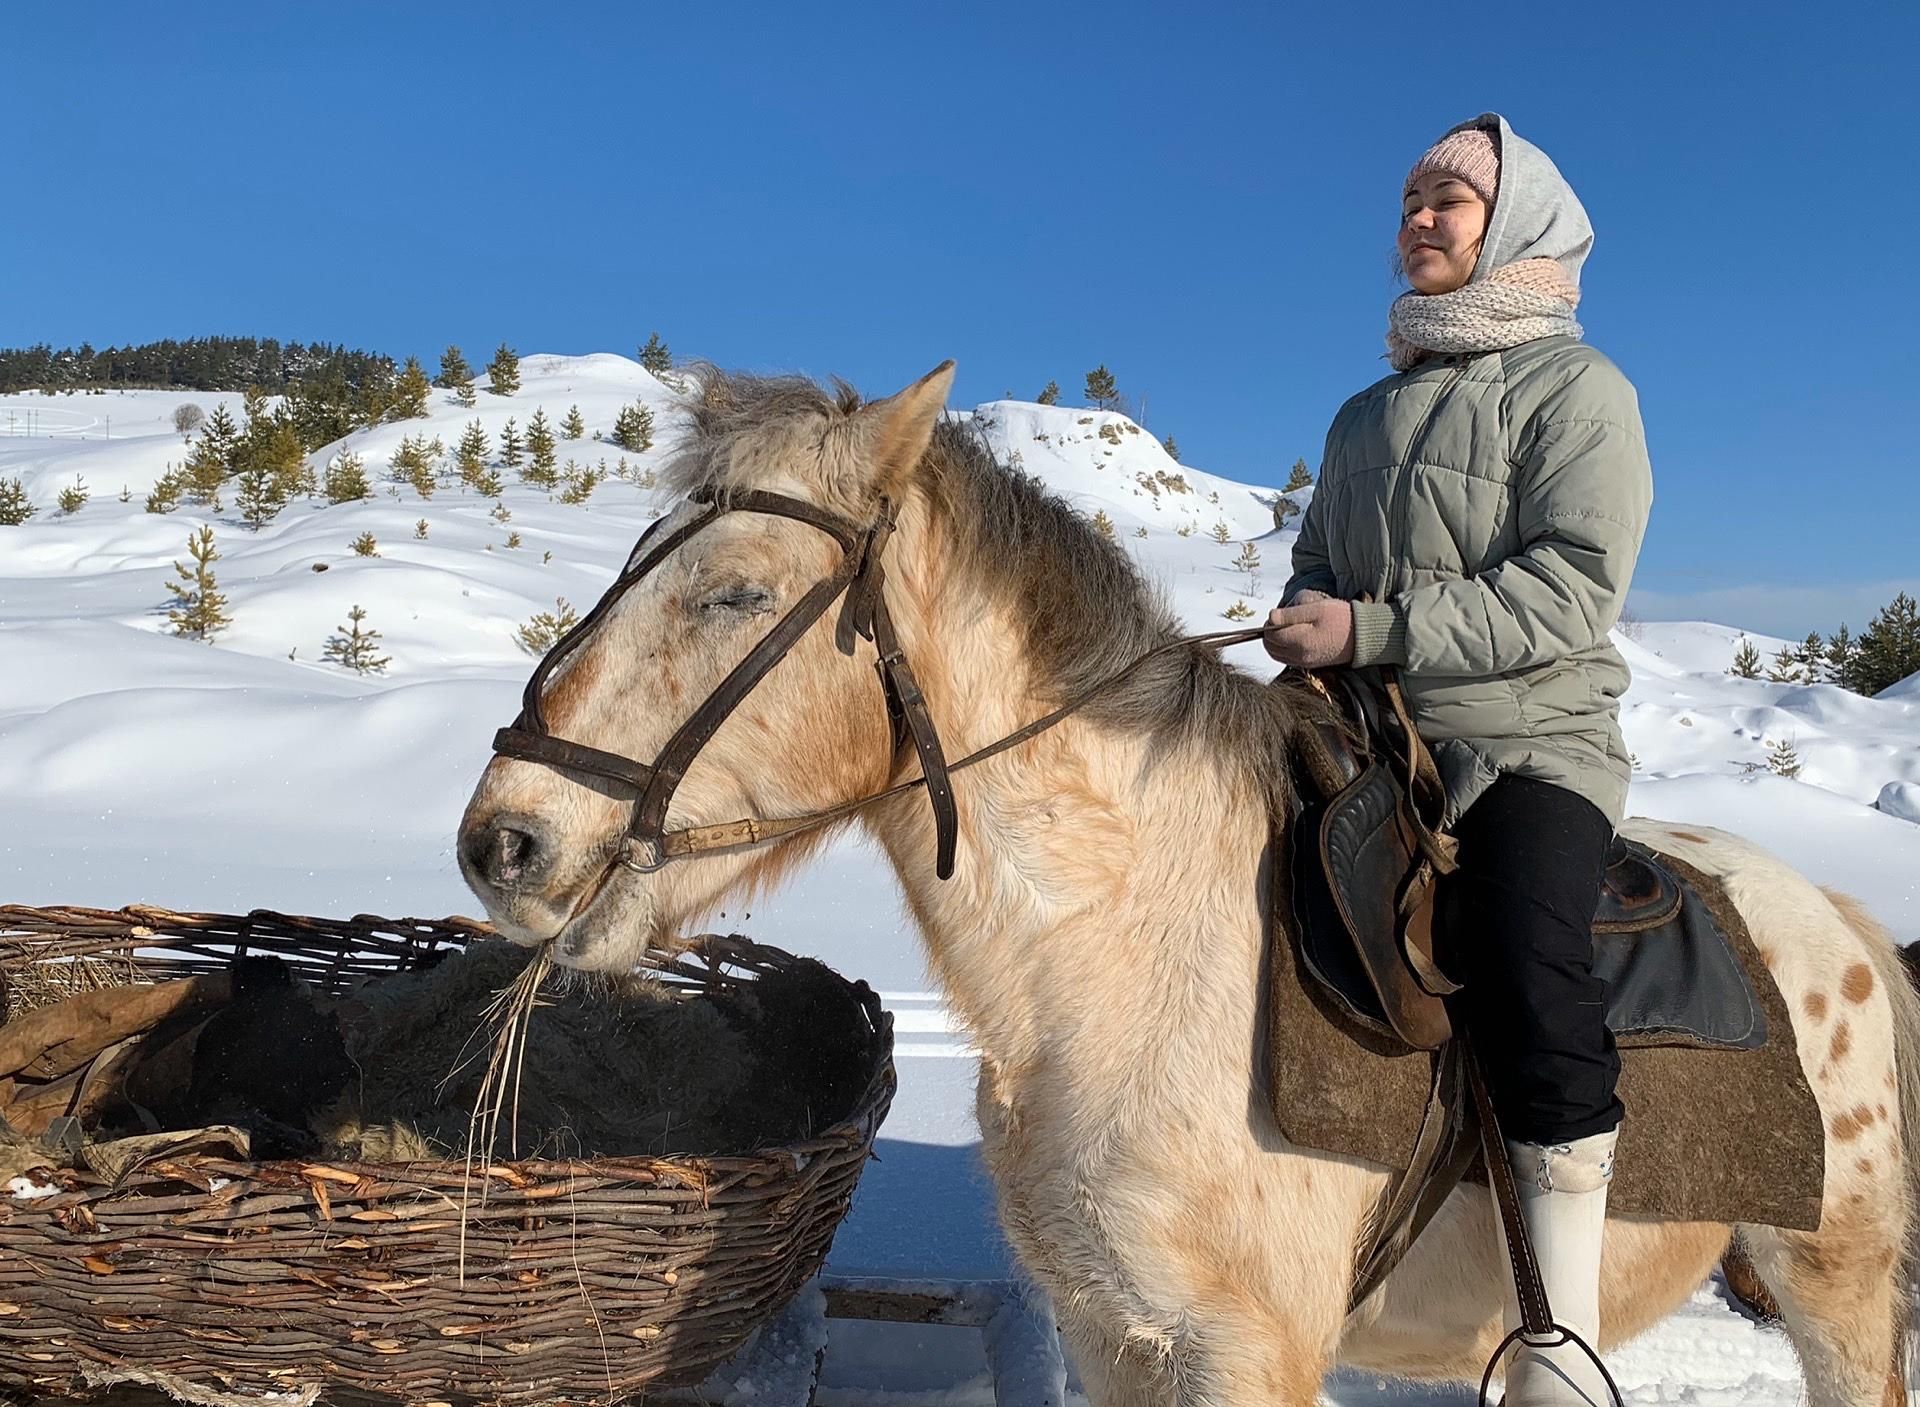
1491	505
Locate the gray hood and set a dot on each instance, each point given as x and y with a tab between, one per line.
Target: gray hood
1536	215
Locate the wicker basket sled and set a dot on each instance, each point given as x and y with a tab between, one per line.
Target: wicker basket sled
220	1279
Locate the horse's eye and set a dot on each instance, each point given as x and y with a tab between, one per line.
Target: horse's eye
741	600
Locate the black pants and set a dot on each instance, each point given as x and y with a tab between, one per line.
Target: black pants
1516	924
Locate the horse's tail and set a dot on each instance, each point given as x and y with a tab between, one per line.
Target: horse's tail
1900	977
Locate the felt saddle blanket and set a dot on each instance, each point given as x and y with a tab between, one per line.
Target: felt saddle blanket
1670	971
1721	1124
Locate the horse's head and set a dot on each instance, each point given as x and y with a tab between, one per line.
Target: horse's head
542	844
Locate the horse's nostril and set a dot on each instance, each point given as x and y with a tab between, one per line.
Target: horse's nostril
504	853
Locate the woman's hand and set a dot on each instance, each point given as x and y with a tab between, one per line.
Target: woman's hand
1315	632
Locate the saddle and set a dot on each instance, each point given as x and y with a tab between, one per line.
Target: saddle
1361	880
1366	862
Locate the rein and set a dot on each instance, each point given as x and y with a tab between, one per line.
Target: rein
647	844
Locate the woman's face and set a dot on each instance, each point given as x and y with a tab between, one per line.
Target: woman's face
1442	221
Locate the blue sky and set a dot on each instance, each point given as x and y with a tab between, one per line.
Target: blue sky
1201	197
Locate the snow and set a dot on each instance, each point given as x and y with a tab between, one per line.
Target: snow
141	767
1900	799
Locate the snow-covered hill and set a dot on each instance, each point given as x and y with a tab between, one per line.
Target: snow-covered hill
138	766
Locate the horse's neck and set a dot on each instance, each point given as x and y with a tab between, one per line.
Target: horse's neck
1095	890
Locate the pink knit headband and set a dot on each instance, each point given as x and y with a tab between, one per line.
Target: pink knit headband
1469	154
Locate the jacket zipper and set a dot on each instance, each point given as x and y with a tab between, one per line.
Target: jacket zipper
1396	510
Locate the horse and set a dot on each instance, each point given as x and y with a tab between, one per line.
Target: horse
1101	927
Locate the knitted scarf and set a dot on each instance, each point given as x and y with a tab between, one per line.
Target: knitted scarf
1517	302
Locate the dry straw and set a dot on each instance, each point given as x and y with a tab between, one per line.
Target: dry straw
585	1280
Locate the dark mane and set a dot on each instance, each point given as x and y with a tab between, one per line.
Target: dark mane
1086	610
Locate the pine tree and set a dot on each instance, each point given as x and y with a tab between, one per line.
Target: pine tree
464	394
1248	561
413	463
221	436
581	482
1101	389
420	530
633	428
73	497
1300	478
573	427
354	648
1782	760
1746	660
1239	610
1889	647
411	393
1172	449
1785	668
15	506
1102	524
510	444
1811	655
454	371
164	496
654	356
488	484
538	635
346	479
542	466
503	372
1050	394
1222	534
253	403
365	546
207	470
1839	657
202	610
471	454
276	450
259	494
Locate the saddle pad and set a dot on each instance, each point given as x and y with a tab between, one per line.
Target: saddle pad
1679	983
1714	1132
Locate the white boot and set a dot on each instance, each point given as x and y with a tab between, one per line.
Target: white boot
1563	1200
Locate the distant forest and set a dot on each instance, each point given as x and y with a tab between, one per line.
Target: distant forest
195	364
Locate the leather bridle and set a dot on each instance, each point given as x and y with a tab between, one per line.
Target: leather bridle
648	844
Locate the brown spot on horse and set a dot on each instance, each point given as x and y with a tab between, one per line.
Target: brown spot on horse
1816	1005
1857	985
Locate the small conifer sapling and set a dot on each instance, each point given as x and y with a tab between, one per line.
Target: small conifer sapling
355	648
15	506
200	610
538	635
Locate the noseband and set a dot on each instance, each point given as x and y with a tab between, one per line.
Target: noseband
647	844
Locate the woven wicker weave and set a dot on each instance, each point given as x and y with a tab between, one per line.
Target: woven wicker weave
585	1281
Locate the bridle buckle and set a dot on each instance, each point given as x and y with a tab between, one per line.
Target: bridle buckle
634	848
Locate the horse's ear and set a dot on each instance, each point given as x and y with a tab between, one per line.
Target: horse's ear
892	434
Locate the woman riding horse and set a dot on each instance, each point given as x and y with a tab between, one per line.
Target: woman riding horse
1475	526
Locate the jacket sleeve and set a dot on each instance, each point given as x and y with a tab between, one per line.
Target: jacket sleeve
1312	567
1586	490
